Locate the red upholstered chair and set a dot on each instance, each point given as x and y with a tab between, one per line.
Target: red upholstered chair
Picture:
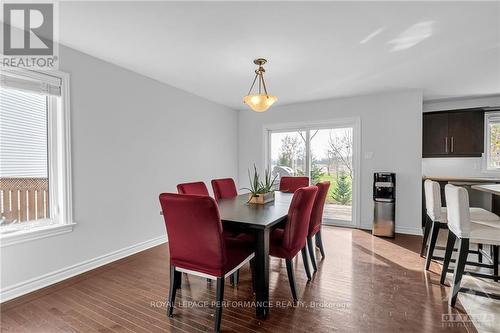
315	223
199	188
292	184
196	188
198	246
224	188
286	243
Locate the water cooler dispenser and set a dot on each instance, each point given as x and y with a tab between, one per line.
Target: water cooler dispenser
384	197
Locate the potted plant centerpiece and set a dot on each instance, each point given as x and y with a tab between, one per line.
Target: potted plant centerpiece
261	192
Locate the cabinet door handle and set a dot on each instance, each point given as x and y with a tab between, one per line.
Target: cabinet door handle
446	144
452	144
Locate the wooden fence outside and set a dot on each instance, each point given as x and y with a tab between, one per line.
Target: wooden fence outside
24	199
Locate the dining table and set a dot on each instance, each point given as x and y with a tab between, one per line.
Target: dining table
260	219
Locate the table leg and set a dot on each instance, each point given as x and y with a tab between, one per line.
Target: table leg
262	272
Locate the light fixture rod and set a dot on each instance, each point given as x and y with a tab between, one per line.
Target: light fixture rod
263	83
253	83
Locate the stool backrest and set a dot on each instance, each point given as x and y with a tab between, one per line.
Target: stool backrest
433	199
457	201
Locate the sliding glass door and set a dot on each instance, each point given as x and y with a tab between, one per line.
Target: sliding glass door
288	153
323	154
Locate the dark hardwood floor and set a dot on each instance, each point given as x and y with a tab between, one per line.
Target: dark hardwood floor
365	284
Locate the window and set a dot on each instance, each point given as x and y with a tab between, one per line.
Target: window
35	191
492	131
322	152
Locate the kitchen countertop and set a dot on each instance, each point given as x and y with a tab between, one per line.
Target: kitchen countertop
490	188
463	179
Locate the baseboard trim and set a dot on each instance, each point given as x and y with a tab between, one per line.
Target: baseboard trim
399	230
19	289
339	223
409	231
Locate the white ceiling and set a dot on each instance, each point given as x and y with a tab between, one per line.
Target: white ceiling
315	50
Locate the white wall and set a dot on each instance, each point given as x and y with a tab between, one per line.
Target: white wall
468	166
132	138
391	128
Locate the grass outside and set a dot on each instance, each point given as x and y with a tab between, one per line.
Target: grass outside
332	178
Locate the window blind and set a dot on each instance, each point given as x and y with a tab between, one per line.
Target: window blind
31	81
23	134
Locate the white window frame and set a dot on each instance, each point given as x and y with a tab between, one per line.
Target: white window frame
59	173
487	141
355	123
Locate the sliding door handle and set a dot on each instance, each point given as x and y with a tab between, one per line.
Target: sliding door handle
446	144
452	144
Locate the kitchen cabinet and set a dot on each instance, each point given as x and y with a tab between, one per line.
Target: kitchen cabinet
457	133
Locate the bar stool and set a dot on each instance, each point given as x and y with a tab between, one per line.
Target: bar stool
437	217
461	226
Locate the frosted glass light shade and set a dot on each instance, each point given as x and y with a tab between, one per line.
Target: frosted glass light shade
259	102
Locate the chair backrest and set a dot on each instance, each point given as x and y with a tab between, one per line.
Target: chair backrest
224	188
433	204
195	188
292	184
299	215
457	202
194	231
318	206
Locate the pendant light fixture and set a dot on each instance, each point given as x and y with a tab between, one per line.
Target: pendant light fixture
259	102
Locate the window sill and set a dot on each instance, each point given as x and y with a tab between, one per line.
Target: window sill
21	236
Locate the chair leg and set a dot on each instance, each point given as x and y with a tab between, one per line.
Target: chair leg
479	253
291	279
234	279
218	304
432	244
495	260
172	291
459	270
178	279
450	244
252	268
310	247
306	263
427	229
237	277
319	243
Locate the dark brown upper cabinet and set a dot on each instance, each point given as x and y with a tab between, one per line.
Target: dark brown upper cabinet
457	133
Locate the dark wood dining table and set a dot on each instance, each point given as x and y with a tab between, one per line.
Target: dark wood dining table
261	219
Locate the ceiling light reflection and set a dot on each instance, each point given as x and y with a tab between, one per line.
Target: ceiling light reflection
370	36
412	36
